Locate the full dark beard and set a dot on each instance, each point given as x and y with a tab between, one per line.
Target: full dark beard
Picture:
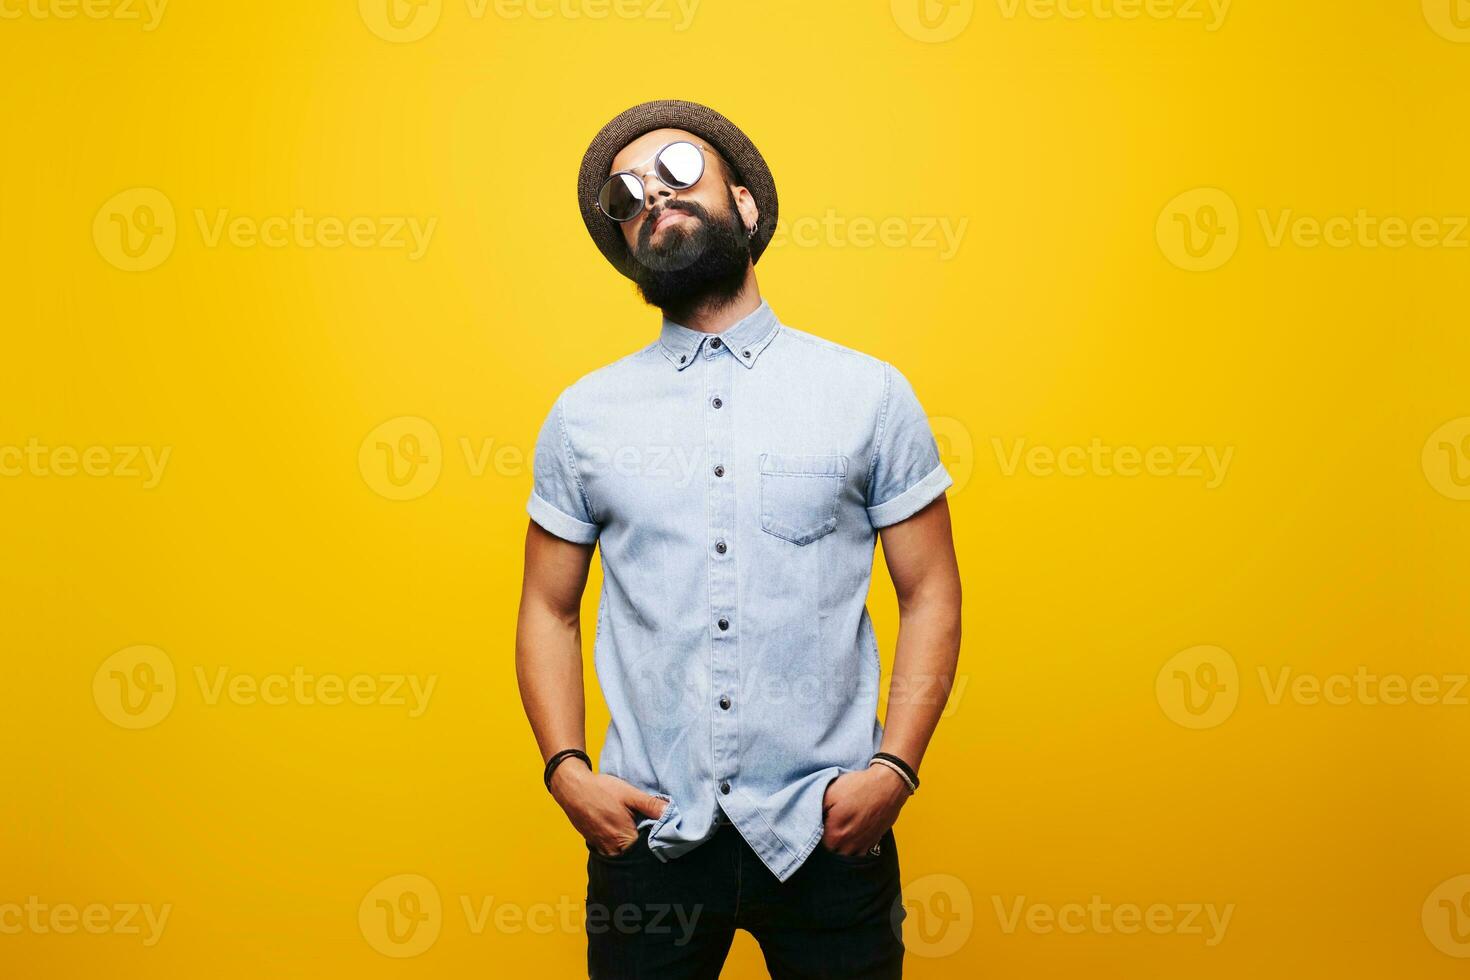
691	269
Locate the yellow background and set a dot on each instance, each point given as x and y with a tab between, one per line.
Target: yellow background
1337	538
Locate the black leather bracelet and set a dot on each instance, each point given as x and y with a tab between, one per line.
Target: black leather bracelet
907	769
561	757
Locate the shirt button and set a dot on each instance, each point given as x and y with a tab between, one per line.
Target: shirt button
716	343
725	703
721	547
724	623
745	353
715	401
725	787
719	471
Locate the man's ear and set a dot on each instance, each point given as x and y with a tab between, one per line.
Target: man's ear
750	212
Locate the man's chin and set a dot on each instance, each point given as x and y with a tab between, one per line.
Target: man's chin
670	253
671	236
684	223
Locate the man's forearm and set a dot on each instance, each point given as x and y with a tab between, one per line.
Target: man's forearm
549	673
923	673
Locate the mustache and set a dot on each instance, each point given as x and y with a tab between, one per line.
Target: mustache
649	223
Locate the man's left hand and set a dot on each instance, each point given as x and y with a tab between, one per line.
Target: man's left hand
859	807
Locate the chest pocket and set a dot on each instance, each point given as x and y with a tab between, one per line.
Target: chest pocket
799	494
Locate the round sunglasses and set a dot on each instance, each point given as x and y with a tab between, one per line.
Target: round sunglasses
678	165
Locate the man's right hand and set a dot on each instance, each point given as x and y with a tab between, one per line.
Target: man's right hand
602	807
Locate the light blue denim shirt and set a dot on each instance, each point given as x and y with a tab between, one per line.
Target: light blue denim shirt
735	483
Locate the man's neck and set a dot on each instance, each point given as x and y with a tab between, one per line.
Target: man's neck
710	320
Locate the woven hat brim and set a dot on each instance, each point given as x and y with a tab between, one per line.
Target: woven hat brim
737	149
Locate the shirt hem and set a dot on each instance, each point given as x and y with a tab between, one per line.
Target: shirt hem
560	524
912	500
801	856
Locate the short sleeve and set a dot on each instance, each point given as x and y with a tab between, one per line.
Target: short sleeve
906	473
558	500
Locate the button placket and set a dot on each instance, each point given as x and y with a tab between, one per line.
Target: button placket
724	668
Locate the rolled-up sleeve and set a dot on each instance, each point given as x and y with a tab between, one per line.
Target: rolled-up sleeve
906	472
558	500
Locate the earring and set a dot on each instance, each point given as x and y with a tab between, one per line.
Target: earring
751	230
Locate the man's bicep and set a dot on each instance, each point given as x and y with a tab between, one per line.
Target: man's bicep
556	571
919	551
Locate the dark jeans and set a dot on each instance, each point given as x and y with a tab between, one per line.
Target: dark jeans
836	917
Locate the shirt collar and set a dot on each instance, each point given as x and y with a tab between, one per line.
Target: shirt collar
744	339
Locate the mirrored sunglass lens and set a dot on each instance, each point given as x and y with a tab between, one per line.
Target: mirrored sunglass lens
680	165
621	197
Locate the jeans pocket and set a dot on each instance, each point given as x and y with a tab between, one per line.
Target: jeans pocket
873	856
632	852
